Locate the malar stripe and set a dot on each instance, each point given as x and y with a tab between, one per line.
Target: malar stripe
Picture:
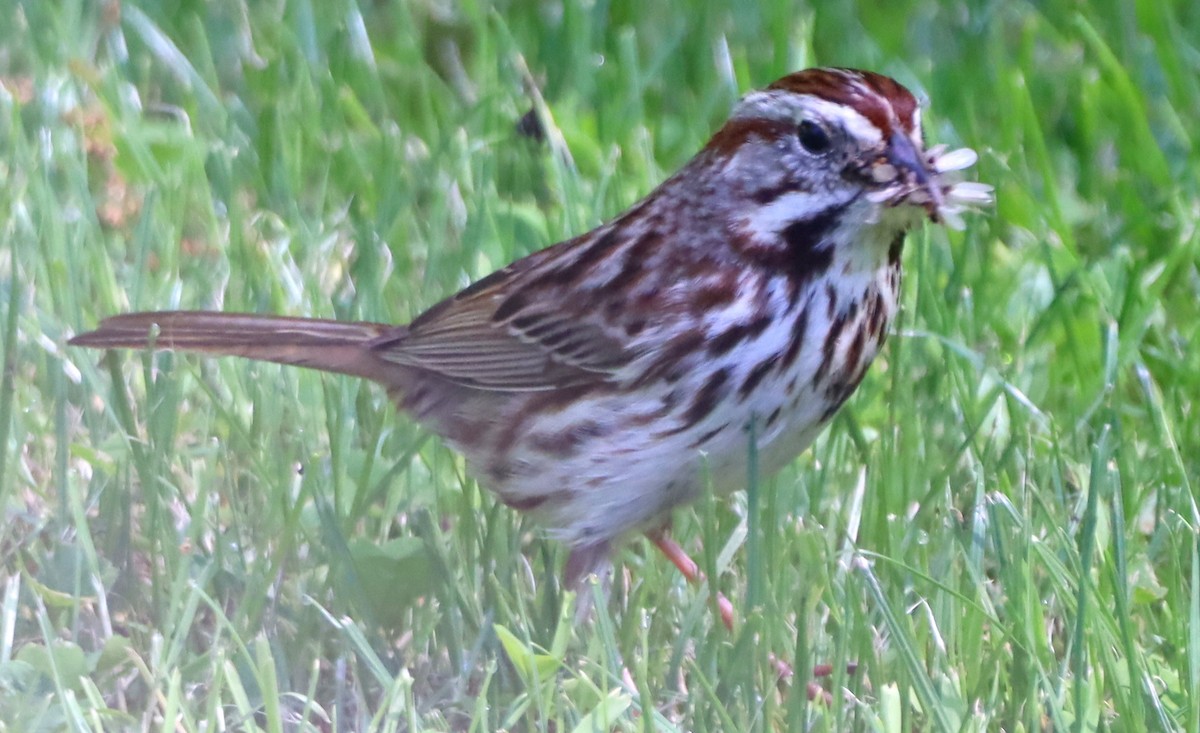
806	258
798	248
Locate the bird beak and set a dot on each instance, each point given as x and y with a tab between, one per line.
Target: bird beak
913	171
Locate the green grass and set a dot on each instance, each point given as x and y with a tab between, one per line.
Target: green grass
1000	530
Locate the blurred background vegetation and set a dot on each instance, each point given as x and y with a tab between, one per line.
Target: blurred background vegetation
1000	530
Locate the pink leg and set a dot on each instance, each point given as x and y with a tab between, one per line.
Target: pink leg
690	570
687	566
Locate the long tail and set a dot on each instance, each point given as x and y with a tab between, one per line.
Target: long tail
331	346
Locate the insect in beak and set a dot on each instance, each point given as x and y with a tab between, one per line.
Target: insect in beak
922	186
927	179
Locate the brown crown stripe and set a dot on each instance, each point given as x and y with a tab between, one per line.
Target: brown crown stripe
874	96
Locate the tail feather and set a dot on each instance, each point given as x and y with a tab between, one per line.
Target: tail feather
332	346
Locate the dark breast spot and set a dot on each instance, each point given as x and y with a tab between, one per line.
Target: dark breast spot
799	333
704	402
711	296
876	314
568	442
839	391
669	363
548	402
756	375
829	347
731	337
699	442
708	397
855	352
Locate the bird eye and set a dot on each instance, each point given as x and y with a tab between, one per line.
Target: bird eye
813	137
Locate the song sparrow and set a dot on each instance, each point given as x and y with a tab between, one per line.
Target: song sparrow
599	383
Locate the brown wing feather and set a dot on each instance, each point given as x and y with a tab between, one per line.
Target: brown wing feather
523	328
499	335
